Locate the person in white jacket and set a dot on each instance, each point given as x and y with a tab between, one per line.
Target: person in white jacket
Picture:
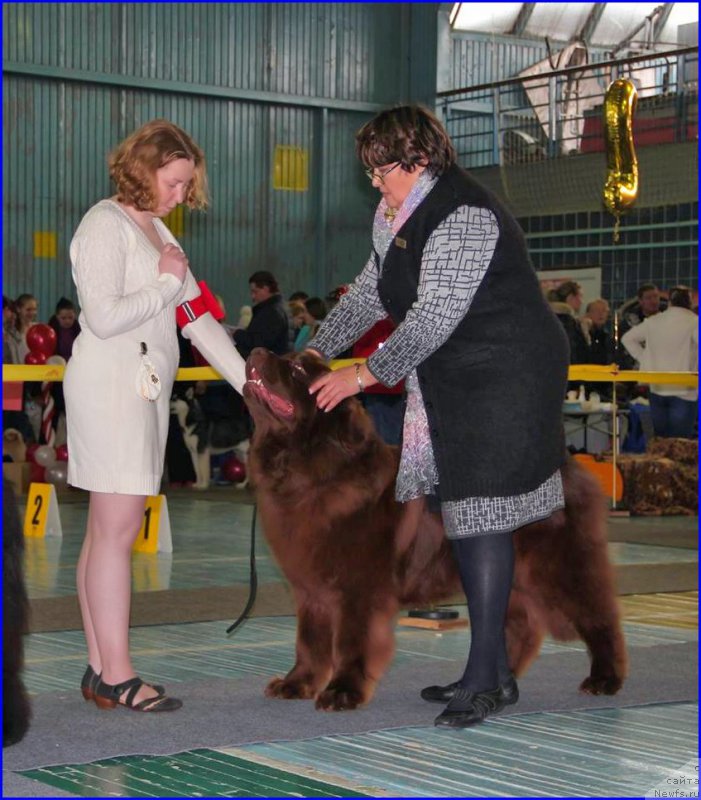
133	281
669	342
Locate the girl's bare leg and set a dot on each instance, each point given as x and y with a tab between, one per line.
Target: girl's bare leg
114	523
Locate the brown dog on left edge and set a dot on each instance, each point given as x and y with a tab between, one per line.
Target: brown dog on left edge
353	555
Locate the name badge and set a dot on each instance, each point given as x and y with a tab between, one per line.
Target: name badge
400	242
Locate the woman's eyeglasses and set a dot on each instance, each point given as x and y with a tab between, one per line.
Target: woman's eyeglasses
380	175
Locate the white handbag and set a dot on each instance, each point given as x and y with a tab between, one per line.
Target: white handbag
148	384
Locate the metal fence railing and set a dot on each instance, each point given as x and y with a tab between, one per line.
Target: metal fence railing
560	112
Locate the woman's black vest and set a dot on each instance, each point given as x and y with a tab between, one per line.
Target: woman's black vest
493	390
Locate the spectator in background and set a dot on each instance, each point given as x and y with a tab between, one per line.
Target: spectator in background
602	348
10	355
27	309
566	301
10	335
314	311
297	296
646	303
270	324
668	342
65	323
296	309
594	326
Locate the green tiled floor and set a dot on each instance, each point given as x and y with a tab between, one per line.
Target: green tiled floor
199	773
602	753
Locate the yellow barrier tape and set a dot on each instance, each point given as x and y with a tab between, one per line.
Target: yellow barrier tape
578	372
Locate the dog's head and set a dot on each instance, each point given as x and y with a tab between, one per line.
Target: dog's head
277	388
286	416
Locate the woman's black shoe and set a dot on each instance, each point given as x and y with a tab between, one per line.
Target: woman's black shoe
469	708
90	680
444	694
108	696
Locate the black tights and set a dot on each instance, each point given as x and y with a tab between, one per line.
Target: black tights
486	565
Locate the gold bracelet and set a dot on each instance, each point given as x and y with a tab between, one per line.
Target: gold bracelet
357	377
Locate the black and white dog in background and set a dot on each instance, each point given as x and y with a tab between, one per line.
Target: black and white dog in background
16	711
211	428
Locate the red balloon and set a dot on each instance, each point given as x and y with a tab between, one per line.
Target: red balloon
233	470
37	473
42	338
35	357
31	449
62	452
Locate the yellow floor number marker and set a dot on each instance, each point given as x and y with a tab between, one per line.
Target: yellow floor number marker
155	535
41	517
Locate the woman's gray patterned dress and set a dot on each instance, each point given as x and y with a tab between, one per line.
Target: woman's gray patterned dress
454	262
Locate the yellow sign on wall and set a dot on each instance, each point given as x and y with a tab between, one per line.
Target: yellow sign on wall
291	168
45	244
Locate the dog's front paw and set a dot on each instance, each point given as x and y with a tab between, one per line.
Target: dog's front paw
339	699
285	689
601	684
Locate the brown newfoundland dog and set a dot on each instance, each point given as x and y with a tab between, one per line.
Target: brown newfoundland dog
353	556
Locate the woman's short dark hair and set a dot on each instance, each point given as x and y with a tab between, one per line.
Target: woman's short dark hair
412	135
316	307
64	304
134	162
265	278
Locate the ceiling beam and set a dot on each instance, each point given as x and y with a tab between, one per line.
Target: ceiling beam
661	21
524	15
586	32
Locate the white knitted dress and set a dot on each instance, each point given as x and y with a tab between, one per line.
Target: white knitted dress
116	439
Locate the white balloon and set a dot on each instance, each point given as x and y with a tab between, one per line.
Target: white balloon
58	474
59	361
45	456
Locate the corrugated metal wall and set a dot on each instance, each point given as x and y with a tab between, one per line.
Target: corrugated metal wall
241	78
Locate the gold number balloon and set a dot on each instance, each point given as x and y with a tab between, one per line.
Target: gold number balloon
621	188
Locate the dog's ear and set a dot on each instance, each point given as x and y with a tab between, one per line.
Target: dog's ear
313	365
350	426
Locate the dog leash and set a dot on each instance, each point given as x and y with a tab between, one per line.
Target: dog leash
253	584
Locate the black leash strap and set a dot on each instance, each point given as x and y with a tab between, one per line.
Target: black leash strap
253	585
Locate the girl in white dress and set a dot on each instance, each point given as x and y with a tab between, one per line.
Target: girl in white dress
131	276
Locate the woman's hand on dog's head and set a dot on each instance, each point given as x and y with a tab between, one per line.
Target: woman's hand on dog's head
335	386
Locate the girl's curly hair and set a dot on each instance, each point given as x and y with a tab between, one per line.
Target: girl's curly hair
134	162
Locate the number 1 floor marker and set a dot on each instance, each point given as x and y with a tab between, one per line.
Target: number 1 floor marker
155	535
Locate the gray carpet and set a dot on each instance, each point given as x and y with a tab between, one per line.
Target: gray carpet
219	713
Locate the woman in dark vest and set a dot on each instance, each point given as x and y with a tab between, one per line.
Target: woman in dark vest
485	362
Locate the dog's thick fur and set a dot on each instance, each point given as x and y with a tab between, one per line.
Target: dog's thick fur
324	484
16	711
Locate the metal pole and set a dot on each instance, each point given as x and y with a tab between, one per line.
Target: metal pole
614	411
